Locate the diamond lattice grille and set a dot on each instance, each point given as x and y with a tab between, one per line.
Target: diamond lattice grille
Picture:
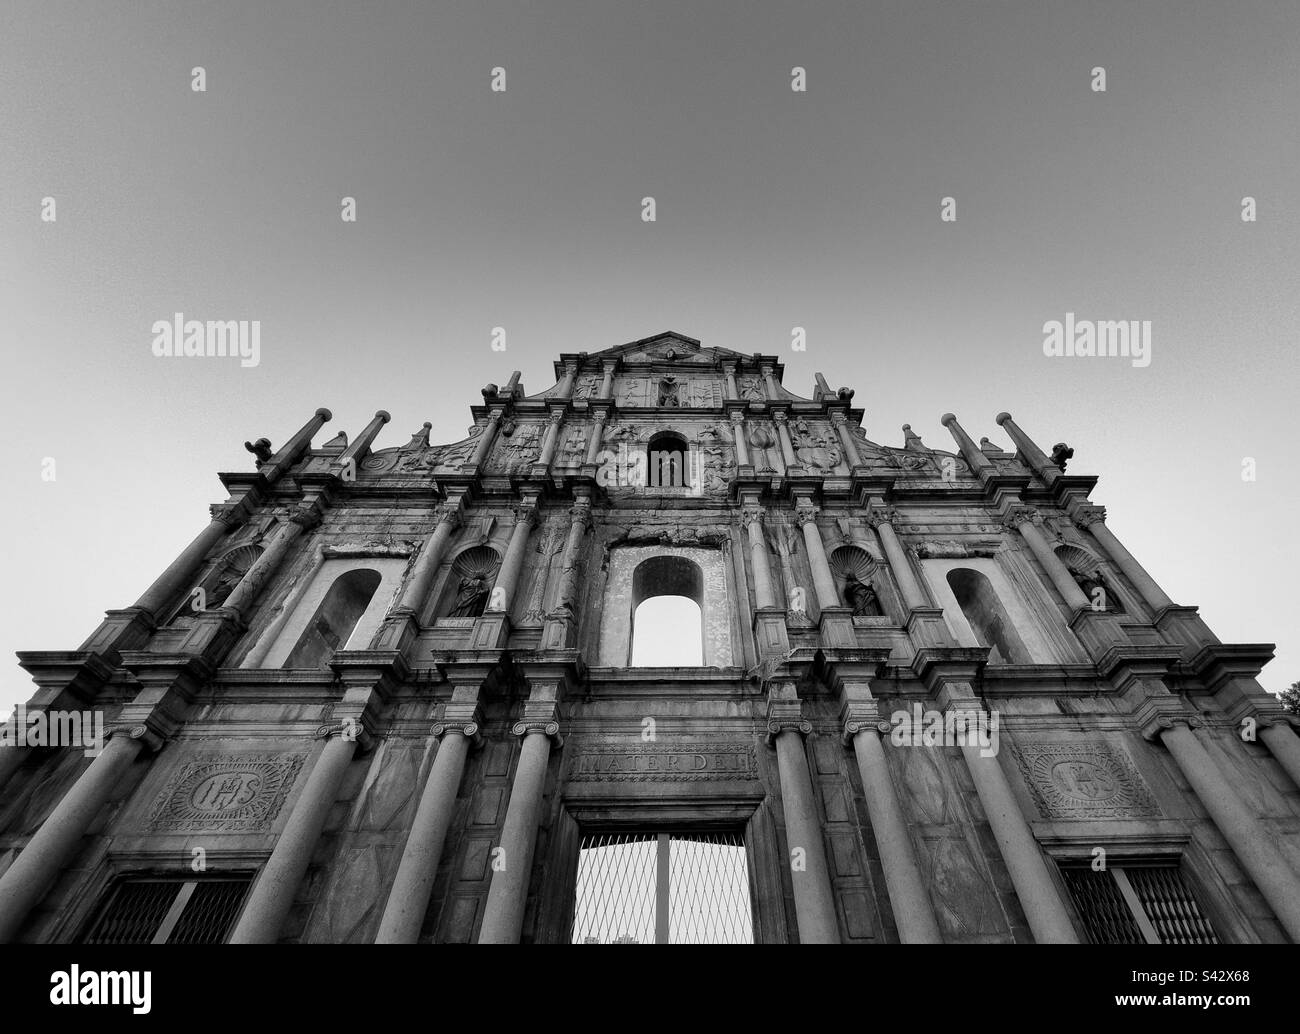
662	888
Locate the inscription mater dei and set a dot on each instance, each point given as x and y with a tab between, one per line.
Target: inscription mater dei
652	761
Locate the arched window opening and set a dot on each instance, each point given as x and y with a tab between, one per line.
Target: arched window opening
335	619
667	613
986	616
667	461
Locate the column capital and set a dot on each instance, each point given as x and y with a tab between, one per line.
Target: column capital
449	512
232	515
526	510
752	515
461	717
785	713
838	416
600	414
878	515
539	716
1087	516
580	512
306	515
1158	724
1018	516
737	417
779	416
806	513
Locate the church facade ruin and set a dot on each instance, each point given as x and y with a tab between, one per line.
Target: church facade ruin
391	695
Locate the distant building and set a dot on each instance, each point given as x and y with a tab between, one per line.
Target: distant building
389	695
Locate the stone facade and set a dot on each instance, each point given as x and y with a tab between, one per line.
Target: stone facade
403	693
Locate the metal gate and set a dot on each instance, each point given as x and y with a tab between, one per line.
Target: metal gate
169	911
663	888
1138	904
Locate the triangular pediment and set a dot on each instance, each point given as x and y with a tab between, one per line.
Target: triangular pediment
669	346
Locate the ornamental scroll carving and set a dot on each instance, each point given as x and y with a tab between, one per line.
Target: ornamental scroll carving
1084	781
226	793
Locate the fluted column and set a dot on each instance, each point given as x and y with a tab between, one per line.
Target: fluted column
823	580
1093	519
302	518
729	381
913	912
607	383
1043	467
508	579
360	448
272	895
1039	898
180	572
752	518
1235	820
814	903
487	438
882	519
1026	521
841	424
594	444
26	880
408	899
787	447
979	463
503	915
738	433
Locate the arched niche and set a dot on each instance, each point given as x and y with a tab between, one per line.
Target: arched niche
852	563
1091	573
217	583
469	589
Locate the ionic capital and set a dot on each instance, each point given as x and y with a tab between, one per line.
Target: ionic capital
1155	726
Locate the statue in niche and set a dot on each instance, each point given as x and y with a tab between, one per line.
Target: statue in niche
471	596
669	393
861	597
1095	588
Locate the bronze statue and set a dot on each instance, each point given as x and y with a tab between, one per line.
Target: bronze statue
471	597
861	597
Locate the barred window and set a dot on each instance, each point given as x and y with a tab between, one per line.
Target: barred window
1142	903
169	910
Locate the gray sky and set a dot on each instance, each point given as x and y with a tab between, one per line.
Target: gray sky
775	209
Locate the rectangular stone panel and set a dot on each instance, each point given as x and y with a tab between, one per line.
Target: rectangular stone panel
655	762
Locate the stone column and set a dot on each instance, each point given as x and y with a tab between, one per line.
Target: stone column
408	899
814	903
1026	521
549	442
1235	820
738	433
913	913
1045	911
561	624
729	381
503	915
1093	519
508	579
851	453
979	463
486	439
11	758
1277	733
598	416
180	572
302	518
359	449
1043	467
752	518
882	519
823	580
565	388
607	384
26	880
787	447
272	894
773	392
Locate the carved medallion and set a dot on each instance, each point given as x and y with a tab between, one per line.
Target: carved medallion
226	793
1084	781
